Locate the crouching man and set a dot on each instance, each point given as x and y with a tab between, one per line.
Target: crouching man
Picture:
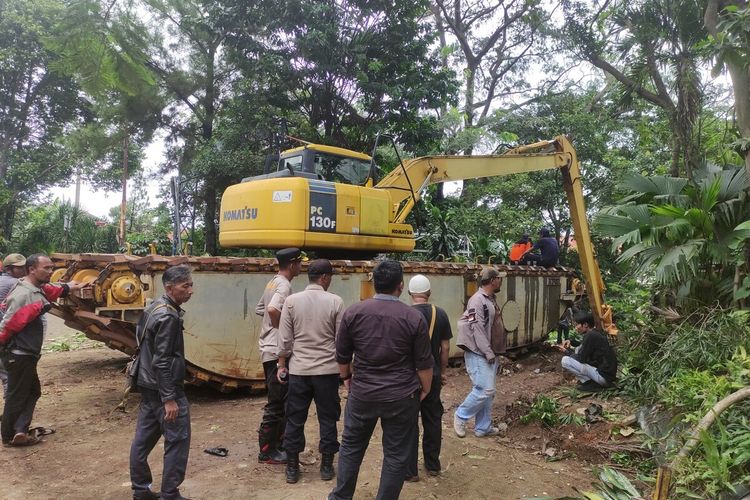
594	362
159	377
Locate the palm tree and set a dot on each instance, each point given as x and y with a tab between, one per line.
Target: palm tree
683	233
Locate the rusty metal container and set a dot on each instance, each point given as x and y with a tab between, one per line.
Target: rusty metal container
221	327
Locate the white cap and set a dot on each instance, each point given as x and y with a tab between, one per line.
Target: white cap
419	284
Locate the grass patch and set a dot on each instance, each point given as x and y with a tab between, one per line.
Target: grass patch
69	343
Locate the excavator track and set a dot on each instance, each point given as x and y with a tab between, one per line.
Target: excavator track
221	327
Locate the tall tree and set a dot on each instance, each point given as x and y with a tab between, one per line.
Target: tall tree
728	23
104	46
38	107
496	42
651	49
190	65
350	68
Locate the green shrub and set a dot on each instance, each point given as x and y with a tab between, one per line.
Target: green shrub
545	410
705	340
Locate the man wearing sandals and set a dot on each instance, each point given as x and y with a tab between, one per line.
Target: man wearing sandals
159	376
14	268
22	335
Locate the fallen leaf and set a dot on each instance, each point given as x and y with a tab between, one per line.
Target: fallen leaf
626	431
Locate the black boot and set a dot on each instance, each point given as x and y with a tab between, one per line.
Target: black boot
292	468
326	467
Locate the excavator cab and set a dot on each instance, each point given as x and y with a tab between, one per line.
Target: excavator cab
319	162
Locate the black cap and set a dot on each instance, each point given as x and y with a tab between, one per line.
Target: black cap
286	255
319	267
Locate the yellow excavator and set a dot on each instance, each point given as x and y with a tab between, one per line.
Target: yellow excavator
329	199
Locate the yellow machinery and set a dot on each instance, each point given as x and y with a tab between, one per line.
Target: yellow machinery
323	198
326	198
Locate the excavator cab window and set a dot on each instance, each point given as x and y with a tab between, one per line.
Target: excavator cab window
341	169
293	162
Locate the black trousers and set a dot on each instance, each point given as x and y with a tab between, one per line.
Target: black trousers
324	389
271	431
431	410
24	391
397	421
149	427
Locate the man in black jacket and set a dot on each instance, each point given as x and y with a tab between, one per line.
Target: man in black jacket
160	374
594	362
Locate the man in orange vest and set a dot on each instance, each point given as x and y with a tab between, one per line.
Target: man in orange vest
519	248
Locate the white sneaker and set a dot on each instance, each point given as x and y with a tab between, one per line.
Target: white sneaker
493	431
459	426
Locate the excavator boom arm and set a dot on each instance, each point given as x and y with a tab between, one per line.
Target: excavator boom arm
547	155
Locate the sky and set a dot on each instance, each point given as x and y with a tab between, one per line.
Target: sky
99	202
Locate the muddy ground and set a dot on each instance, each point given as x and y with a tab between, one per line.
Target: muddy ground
88	455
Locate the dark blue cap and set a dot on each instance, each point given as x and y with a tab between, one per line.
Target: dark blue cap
319	267
286	255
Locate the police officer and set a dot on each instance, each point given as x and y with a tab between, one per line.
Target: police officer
270	306
159	377
307	337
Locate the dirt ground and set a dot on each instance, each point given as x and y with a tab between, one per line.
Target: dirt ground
88	455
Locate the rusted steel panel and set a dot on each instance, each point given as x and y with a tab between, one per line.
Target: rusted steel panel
221	327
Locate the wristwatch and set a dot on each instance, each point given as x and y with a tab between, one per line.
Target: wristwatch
343	379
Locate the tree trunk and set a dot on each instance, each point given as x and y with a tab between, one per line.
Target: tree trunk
706	422
124	202
739	74
8	213
439	198
209	219
674	168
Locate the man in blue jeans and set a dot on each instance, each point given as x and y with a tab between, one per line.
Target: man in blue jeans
482	337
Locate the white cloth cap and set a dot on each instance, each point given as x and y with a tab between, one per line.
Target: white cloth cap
419	284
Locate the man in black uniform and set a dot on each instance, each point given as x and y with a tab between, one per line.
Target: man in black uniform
270	306
431	408
159	374
547	251
594	362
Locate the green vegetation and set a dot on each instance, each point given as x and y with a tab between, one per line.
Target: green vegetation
546	410
68	343
685	367
663	148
